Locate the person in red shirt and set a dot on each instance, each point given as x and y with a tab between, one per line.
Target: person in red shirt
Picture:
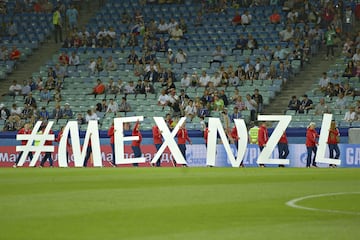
236	19
110	134
235	139
47	155
68	145
283	147
64	59
98	89
183	137
135	145
311	144
157	137
333	141
15	54
25	130
275	17
263	137
206	134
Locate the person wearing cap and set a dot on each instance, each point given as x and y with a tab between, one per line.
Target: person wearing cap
170	56
311	144
305	105
263	137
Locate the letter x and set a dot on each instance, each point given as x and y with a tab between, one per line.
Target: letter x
169	140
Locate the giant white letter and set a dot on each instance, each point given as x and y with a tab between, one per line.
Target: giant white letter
215	126
324	134
169	140
120	139
264	157
92	133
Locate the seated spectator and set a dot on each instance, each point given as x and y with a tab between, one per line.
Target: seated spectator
67	112
236	114
351	115
347	50
218	55
112	107
132	57
246	18
30	100
190	110
185	80
152	75
98	89
198	20
163	99
90	115
294	104
292	16
4	53
204	79
251	43
349	91
176	33
305	105
223	96
280	53
287	34
14	89
44	114
13	123
162	45
124	106
216	79
162	27
181	57
236	19
129	88
101	106
57	113
340	102
275	17
74	59
234	80
241	44
323	82
110	65
322	107
170	56
45	95
12	30
15	54
64	59
92	66
99	65
350	70
80	119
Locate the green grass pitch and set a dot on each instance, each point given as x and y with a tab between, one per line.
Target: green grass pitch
178	203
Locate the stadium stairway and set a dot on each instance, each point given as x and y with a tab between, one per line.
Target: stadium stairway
24	70
301	83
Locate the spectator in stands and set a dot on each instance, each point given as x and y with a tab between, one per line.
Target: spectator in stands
287	34
275	17
218	55
246	18
330	34
236	19
132	57
204	79
322	107
347	49
45	95
152	75
323	82
74	59
251	43
294	104
181	57
185	80
163	99
30	100
305	105
350	70
132	41
15	54
341	102
170	56
234	80
176	33
57	22
190	110
351	115
218	104
67	112
98	89
129	88
12	30
112	107
251	105
13	123
110	65
236	114
72	15
162	27
57	113
199	19
349	91
292	16
80	119
259	100
241	44
44	114
90	115
4	112
124	106
280	53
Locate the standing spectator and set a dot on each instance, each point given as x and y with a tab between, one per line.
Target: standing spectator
111	134
251	105
47	155
263	137
311	144
283	147
333	140
183	137
157	142
259	100
56	20
329	41
72	16
135	145
25	130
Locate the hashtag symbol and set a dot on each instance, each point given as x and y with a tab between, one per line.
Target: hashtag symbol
31	138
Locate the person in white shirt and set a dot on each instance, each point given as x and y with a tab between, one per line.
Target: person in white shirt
185	80
110	65
234	80
181	56
163	98
350	115
74	59
14	89
90	115
176	33
112	107
216	79
172	24
92	66
190	110
163	26
204	79
323	82
356	56
246	18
